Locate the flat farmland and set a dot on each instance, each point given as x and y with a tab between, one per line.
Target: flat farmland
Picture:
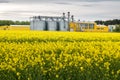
42	55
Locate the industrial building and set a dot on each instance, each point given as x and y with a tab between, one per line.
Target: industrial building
63	23
49	23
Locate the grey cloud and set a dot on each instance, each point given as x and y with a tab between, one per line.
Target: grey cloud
82	9
95	0
4	1
47	11
61	1
88	5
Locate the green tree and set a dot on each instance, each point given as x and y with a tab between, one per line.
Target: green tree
117	29
10	22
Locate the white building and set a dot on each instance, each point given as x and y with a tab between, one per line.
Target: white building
111	27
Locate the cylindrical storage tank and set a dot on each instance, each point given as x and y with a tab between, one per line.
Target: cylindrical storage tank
63	26
35	24
52	25
31	24
39	25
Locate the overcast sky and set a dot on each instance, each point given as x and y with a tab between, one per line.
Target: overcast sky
88	10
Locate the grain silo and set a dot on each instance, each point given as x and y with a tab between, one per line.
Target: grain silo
49	23
37	24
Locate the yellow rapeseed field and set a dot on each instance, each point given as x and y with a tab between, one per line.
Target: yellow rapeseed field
41	55
15	27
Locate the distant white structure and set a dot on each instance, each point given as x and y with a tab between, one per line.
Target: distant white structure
20	25
111	27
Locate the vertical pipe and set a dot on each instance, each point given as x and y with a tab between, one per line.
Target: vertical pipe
30	22
34	23
64	19
63	15
72	18
68	21
39	18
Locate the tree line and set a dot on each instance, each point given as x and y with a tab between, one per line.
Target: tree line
10	22
109	22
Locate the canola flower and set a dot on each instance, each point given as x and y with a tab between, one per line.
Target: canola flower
40	55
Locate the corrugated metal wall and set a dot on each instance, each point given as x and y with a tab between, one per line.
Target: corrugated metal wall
52	25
